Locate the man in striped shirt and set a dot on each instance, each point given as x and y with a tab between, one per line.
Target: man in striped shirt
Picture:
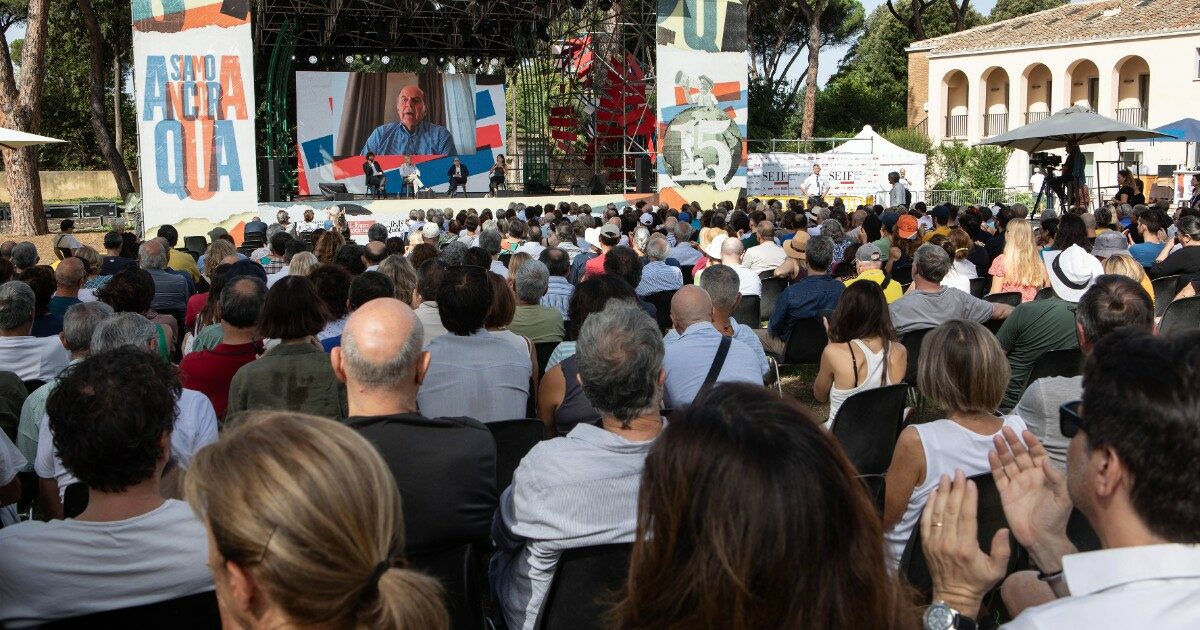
559	292
657	275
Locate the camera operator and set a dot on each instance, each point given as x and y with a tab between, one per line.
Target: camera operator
1072	175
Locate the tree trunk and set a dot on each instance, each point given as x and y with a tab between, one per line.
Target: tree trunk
810	79
97	80
20	106
118	130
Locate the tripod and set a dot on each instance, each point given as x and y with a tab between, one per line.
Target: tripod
1047	189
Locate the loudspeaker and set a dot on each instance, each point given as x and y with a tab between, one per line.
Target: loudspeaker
334	192
271	181
643	174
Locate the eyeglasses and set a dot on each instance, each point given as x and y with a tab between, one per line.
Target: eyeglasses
1069	420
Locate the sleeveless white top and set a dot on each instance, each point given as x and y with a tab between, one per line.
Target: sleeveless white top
947	446
877	376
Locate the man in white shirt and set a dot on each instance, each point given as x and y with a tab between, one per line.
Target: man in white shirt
731	253
30	358
113	416
411	175
429	279
815	186
195	423
1131	471
767	255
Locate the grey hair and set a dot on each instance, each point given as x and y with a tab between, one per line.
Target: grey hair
683	233
453	253
120	330
833	229
148	258
16	304
532	281
565	232
640	236
932	262
24	255
657	248
80	323
489	240
118	224
390	373
819	252
620	354
722	284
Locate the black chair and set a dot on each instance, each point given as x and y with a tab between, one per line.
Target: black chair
687	273
772	288
1080	532
254	240
1011	298
662	304
544	349
585	582
1045	293
903	275
1068	362
514	440
461	574
805	343
1165	289
868	425
191	612
75	499
912	341
1181	315
195	244
32	385
991	519
980	286
749	311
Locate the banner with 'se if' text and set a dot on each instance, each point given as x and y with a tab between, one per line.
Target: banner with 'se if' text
193	81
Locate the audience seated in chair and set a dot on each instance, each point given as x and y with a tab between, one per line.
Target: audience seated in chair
811	296
721	282
928	304
695	359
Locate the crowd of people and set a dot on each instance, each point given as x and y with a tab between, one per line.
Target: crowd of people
286	426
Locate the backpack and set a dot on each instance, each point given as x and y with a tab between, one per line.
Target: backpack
907	198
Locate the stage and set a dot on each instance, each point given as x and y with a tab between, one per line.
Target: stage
362	213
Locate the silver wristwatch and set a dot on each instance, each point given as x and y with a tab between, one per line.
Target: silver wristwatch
940	616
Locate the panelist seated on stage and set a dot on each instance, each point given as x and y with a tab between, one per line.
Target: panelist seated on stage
411	175
458	174
376	178
413	135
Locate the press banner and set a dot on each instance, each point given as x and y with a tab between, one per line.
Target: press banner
783	174
193	74
702	100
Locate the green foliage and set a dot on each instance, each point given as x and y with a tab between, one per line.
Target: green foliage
909	139
770	114
970	168
849	101
1007	9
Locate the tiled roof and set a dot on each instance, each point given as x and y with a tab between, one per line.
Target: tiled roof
1098	20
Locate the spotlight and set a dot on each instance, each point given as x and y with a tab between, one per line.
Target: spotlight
441	60
367	58
349	58
385	59
424	60
312	60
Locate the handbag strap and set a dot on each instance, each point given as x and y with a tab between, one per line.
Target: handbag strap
718	361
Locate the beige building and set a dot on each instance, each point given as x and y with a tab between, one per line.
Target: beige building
1134	60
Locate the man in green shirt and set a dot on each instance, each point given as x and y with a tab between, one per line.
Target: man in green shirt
538	323
1037	327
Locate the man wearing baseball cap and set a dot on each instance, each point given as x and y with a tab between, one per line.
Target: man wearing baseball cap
1037	327
869	264
906	226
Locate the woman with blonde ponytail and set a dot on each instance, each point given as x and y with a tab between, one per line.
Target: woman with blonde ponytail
306	530
1020	267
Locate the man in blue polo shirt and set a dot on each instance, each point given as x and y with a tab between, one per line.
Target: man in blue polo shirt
816	293
413	135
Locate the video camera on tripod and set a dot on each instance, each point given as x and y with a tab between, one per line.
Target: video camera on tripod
1045	160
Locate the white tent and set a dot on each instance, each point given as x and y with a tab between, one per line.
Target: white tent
891	157
13	139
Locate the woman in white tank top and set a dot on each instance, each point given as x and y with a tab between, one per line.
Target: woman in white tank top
964	371
863	352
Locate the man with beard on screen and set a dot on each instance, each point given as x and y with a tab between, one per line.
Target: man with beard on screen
413	135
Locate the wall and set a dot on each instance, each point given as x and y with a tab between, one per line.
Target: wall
918	86
72	185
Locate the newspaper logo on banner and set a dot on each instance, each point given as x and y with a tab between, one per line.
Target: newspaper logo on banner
783	174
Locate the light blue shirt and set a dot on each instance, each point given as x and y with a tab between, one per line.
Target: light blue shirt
562	351
558	295
576	491
659	276
32	411
689	358
685	254
395	139
742	333
477	376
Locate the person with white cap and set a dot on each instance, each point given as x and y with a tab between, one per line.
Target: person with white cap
603	239
729	251
868	264
1037	327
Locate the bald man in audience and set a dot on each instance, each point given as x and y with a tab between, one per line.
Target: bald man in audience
445	467
702	355
69	276
373	254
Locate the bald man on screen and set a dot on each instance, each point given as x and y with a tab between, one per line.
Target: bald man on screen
413	135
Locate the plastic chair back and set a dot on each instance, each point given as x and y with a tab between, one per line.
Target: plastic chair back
912	341
749	311
980	286
514	440
585	582
195	244
254	240
772	288
687	273
1181	315
544	349
461	574
1011	298
75	499
806	342
1165	289
903	275
662	304
192	612
1045	293
1068	362
868	425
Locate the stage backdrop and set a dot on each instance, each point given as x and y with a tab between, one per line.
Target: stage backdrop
702	100
193	73
782	174
340	116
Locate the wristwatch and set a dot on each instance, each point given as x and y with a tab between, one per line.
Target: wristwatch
940	616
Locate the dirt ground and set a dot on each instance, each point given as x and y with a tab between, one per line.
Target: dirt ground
45	243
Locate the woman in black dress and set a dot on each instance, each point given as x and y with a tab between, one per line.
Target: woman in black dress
497	176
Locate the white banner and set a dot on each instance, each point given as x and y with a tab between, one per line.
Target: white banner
193	84
782	174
